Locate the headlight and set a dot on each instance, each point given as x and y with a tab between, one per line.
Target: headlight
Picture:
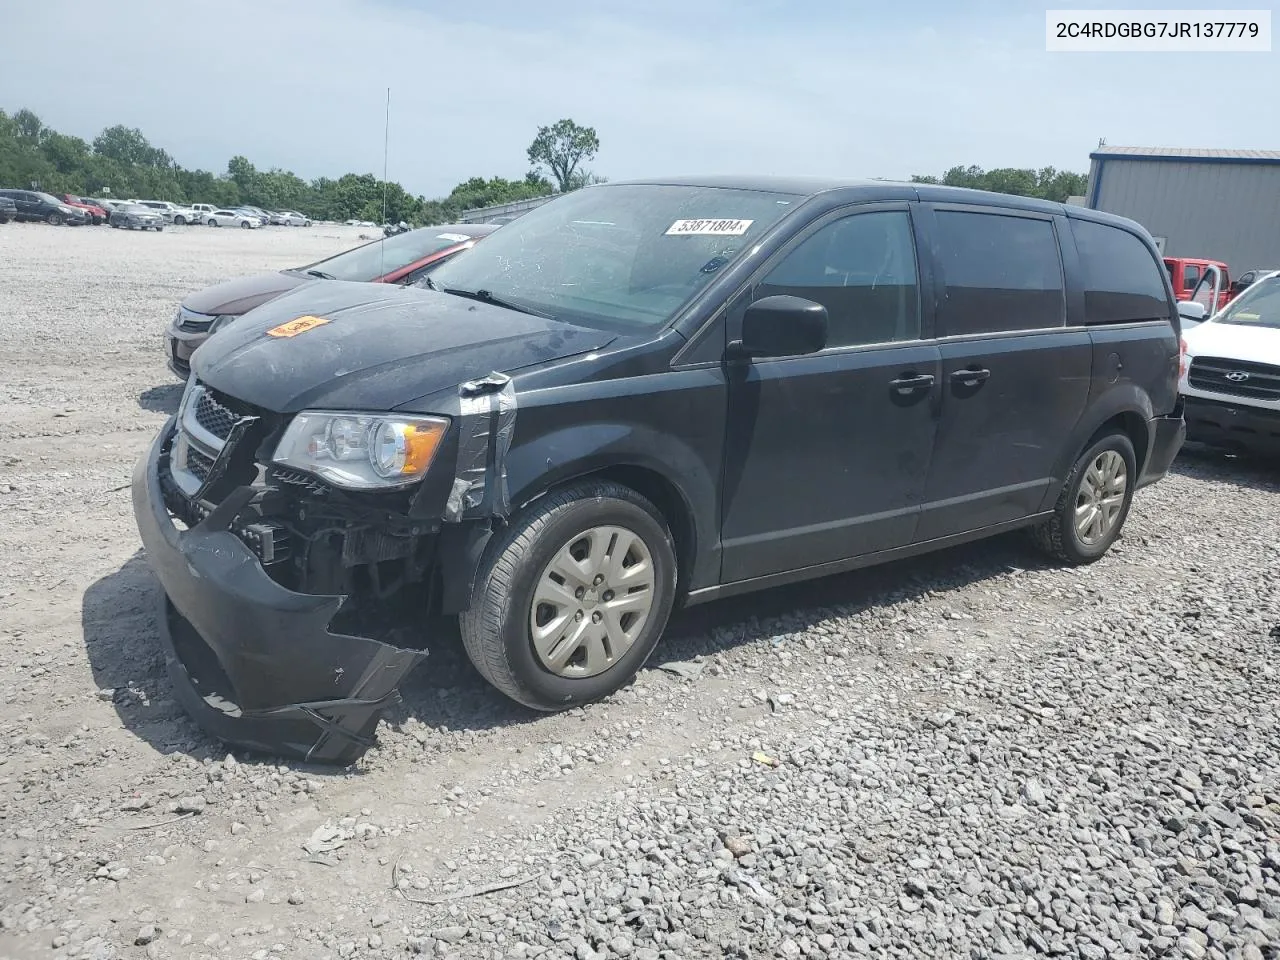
361	451
221	321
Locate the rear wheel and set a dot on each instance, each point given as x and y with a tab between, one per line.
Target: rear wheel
1094	502
572	599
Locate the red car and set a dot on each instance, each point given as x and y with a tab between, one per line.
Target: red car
95	212
404	258
1185	273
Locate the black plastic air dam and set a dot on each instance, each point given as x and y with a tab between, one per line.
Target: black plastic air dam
253	662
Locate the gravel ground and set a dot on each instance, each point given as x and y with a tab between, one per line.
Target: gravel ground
971	755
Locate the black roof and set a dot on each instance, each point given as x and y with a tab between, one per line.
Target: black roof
850	189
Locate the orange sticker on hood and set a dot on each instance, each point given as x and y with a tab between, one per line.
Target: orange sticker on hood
297	326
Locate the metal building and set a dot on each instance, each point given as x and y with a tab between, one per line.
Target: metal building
1216	204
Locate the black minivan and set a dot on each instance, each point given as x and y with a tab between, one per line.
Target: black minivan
635	396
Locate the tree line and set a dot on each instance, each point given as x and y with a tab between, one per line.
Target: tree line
121	162
1045	183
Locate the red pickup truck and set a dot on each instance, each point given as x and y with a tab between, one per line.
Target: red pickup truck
95	212
1185	272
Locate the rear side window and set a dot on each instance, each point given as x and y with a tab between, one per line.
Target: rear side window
1000	273
1122	281
1190	275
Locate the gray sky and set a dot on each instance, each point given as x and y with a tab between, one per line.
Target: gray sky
671	86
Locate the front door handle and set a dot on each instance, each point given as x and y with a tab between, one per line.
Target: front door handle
911	384
970	378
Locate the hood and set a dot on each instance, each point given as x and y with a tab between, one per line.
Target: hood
1234	341
381	348
241	295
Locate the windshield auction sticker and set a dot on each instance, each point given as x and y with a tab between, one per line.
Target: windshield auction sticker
709	228
297	326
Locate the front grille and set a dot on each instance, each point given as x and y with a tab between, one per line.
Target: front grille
1235	378
192	323
198	464
215	417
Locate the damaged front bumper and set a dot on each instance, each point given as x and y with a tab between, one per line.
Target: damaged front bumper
253	662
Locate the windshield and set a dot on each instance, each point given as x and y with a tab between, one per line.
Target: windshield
624	256
372	260
1259	306
133	208
47	198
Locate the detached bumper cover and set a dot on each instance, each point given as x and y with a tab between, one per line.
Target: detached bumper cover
1167	436
252	662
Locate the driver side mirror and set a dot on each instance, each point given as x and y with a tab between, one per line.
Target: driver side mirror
781	326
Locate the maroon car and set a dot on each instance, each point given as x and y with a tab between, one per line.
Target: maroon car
91	209
404	259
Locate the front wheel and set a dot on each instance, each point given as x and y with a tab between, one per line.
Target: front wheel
179	221
245	225
213	222
571	601
1094	502
55	219
158	229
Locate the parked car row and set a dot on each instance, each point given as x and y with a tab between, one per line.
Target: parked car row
635	396
35	205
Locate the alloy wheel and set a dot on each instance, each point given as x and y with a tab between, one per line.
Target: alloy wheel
1101	497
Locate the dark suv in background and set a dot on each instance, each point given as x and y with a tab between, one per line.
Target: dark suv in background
34	205
638	395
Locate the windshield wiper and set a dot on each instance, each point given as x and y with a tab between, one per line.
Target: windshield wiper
427	282
485	296
321	274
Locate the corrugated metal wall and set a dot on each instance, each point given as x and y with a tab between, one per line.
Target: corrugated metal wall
1220	211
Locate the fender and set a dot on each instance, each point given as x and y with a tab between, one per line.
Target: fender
1118	399
552	459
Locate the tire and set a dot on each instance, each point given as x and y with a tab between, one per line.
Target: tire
245	225
179	221
54	219
1061	536
114	226
158	229
213	222
497	630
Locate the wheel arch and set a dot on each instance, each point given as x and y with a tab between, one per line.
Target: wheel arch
1125	408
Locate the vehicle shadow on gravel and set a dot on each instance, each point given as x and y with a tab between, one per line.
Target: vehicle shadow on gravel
119	616
120	620
162	399
1208	463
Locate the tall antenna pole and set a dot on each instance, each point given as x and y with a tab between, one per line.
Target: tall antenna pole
386	141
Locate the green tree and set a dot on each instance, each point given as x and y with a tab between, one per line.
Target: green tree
127	145
29	126
561	148
1046	183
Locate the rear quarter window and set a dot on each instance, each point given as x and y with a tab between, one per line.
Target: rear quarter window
1123	282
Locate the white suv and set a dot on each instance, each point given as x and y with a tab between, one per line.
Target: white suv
1231	372
171	212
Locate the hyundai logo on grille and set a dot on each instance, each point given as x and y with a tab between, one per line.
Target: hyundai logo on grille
1237	376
